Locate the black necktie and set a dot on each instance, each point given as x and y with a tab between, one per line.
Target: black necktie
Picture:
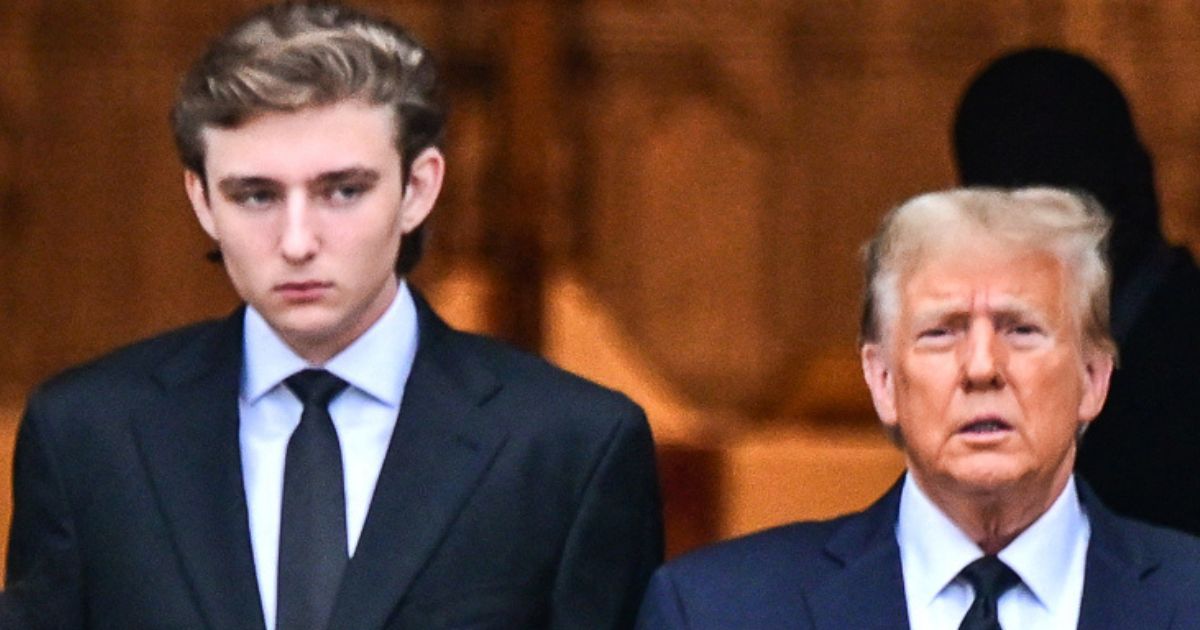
991	578
312	528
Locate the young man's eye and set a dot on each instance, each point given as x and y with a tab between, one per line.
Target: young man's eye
345	193
253	198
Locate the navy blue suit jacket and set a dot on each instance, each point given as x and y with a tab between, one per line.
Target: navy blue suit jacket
513	495
845	573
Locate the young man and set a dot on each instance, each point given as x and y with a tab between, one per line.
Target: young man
986	348
332	454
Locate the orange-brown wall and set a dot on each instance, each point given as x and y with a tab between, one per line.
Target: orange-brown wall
667	196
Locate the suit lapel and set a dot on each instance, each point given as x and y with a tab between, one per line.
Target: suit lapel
188	439
1113	593
439	451
869	591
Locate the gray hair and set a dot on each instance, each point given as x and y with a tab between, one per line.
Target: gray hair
1071	226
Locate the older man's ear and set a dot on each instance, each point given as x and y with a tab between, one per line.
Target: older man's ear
879	379
1097	371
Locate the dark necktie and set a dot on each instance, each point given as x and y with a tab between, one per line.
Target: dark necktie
312	528
990	578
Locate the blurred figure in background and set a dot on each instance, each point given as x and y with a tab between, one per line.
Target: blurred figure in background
1048	117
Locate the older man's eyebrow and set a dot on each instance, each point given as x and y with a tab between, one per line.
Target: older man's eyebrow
940	310
949	311
1018	313
1013	306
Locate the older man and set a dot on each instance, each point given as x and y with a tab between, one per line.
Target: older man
985	346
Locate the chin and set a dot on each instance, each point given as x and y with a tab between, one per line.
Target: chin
310	326
300	317
985	478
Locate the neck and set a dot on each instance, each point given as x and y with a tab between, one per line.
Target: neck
993	518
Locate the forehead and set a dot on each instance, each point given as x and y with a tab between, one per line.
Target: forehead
312	139
986	275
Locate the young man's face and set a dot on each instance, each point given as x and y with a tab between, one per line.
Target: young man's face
308	208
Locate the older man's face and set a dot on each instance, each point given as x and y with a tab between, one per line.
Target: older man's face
984	372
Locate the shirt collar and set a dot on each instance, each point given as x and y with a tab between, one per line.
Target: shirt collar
1039	554
930	543
378	362
940	549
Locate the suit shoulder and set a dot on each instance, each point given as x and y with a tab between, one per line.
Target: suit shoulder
797	549
118	369
1179	552
750	582
530	377
1161	562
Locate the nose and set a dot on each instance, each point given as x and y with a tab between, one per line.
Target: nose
298	239
983	365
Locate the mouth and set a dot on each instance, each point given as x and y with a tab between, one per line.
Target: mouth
303	291
985	425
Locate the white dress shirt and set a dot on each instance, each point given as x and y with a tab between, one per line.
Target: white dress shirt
376	365
1048	556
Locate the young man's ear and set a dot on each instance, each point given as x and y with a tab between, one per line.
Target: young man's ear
194	185
421	191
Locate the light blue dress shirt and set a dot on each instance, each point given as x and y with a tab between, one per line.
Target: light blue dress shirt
376	365
1049	557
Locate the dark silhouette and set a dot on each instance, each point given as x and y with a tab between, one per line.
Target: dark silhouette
1044	116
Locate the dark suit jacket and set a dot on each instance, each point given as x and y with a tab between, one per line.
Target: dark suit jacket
845	573
513	495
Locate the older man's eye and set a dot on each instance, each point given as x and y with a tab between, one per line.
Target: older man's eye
936	337
1025	335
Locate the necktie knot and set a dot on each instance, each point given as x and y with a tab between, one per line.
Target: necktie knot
990	578
315	387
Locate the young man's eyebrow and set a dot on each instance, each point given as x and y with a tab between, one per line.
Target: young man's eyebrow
233	183
357	173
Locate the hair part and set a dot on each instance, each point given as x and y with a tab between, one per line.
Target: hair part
298	55
1071	226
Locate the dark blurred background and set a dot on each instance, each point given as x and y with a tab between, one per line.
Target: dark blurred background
667	196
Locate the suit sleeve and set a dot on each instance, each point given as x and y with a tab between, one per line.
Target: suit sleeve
616	540
660	608
43	574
